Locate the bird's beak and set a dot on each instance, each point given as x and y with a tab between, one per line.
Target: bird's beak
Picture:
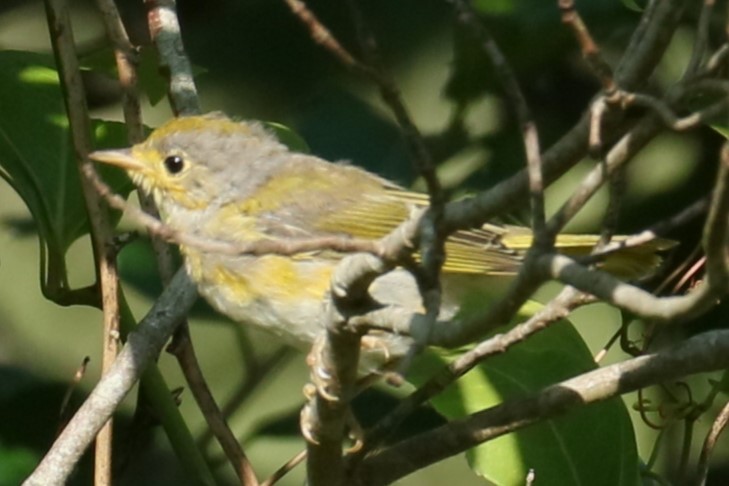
121	158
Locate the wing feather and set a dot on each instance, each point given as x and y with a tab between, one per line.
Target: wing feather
314	200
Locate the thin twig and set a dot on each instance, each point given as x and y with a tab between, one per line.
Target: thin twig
613	339
590	50
164	28
527	125
165	31
702	353
702	39
127	59
285	469
668	117
651	233
185	354
260	247
648	44
717	59
642	303
646	49
431	244
717	427
619	154
334	367
556	309
141	349
321	35
64	48
255	375
431	234
80	372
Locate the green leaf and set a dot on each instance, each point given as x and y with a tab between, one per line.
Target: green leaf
151	80
288	137
37	157
632	5
573	449
702	100
16	463
494	7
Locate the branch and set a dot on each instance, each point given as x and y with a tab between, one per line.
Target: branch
702	39
141	349
164	28
557	308
529	133
649	42
702	353
64	49
628	145
334	370
717	427
590	50
165	31
646	49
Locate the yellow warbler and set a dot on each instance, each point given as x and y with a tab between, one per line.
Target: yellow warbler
234	182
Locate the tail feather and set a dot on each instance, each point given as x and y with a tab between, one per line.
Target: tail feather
500	253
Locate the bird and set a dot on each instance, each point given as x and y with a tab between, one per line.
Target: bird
234	182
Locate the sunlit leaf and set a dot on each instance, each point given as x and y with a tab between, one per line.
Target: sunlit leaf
591	442
37	158
632	5
288	137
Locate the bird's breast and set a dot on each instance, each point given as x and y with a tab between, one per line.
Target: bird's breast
282	294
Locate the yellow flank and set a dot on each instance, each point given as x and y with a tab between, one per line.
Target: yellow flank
193	263
273	278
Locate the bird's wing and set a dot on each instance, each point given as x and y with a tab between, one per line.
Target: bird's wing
317	199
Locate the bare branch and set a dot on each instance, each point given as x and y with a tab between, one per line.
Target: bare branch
649	42
334	370
619	154
702	353
640	302
322	36
590	50
182	348
702	39
142	347
64	48
556	309
530	135
717	427
165	30
652	233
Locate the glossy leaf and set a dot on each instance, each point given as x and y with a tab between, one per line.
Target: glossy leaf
37	157
575	449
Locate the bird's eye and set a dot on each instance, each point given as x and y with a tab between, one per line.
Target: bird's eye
174	164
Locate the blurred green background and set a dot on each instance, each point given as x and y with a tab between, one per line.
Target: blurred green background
256	61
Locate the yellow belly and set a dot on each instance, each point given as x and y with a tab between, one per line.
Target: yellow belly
281	294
